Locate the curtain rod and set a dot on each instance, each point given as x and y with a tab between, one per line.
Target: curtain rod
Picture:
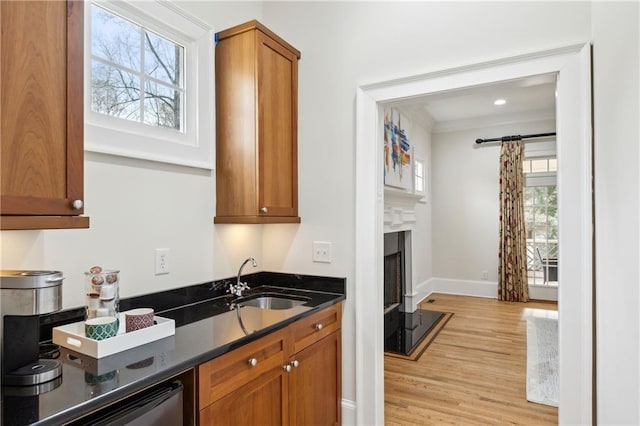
515	138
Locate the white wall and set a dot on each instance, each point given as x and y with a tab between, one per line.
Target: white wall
137	206
466	200
616	59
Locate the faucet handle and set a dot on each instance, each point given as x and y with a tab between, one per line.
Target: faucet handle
235	289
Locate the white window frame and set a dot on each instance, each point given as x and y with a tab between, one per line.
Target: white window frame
192	146
540	178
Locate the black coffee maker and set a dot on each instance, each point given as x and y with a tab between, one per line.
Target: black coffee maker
24	296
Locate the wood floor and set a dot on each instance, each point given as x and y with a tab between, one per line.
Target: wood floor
473	373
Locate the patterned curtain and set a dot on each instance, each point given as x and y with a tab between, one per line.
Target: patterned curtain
512	254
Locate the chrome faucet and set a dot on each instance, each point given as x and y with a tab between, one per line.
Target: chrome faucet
239	286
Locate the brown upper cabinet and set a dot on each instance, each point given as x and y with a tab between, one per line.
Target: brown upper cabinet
41	115
256	127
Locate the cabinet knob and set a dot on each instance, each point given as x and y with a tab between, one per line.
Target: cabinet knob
295	363
287	368
77	204
264	209
319	326
253	362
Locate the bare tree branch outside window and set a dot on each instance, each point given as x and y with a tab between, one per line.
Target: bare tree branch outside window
135	73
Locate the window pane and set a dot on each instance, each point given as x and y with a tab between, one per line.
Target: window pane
526	166
528	195
114	92
538	166
542	231
419	184
162	59
553	165
162	105
115	39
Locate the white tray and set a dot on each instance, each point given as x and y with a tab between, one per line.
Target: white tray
152	353
72	336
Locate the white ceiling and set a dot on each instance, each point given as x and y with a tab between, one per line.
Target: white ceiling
528	99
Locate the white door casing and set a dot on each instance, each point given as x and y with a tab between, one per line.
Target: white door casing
573	122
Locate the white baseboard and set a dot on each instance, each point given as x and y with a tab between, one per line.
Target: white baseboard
348	412
449	286
421	291
488	289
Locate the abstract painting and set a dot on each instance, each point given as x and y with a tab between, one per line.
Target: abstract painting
397	150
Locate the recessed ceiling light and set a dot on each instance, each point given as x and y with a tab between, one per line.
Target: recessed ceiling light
499	102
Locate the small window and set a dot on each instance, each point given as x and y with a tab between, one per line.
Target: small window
419	176
135	74
148	82
540	165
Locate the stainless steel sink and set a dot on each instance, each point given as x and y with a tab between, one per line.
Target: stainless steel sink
272	301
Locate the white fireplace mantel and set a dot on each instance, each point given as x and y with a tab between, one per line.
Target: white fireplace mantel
399	209
398	219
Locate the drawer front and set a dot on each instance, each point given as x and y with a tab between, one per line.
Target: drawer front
228	372
307	331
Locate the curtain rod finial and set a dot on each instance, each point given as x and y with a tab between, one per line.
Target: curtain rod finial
479	140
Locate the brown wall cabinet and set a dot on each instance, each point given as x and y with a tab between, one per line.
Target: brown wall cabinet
256	127
41	115
289	377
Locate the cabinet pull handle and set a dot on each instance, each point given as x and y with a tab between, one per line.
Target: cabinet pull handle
77	204
295	363
319	326
264	209
287	368
253	362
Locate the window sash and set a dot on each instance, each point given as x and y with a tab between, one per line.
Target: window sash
142	76
193	145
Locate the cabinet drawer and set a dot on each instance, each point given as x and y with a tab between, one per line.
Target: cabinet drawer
224	374
307	331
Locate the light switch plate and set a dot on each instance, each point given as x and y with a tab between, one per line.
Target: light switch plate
321	251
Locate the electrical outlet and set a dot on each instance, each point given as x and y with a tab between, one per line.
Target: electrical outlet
485	275
321	251
162	261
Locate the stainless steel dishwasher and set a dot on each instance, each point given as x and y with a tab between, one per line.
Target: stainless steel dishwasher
160	405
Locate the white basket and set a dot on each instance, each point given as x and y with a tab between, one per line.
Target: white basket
72	336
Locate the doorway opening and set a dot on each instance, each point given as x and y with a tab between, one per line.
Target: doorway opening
574	217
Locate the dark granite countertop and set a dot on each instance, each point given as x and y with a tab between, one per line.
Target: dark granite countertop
207	325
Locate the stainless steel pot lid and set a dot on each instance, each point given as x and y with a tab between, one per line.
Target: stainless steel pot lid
22	279
35	373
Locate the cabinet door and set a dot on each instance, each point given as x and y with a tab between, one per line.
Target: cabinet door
315	384
277	128
260	402
42	107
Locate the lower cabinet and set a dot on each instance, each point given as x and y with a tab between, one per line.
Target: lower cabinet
314	386
260	401
289	377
